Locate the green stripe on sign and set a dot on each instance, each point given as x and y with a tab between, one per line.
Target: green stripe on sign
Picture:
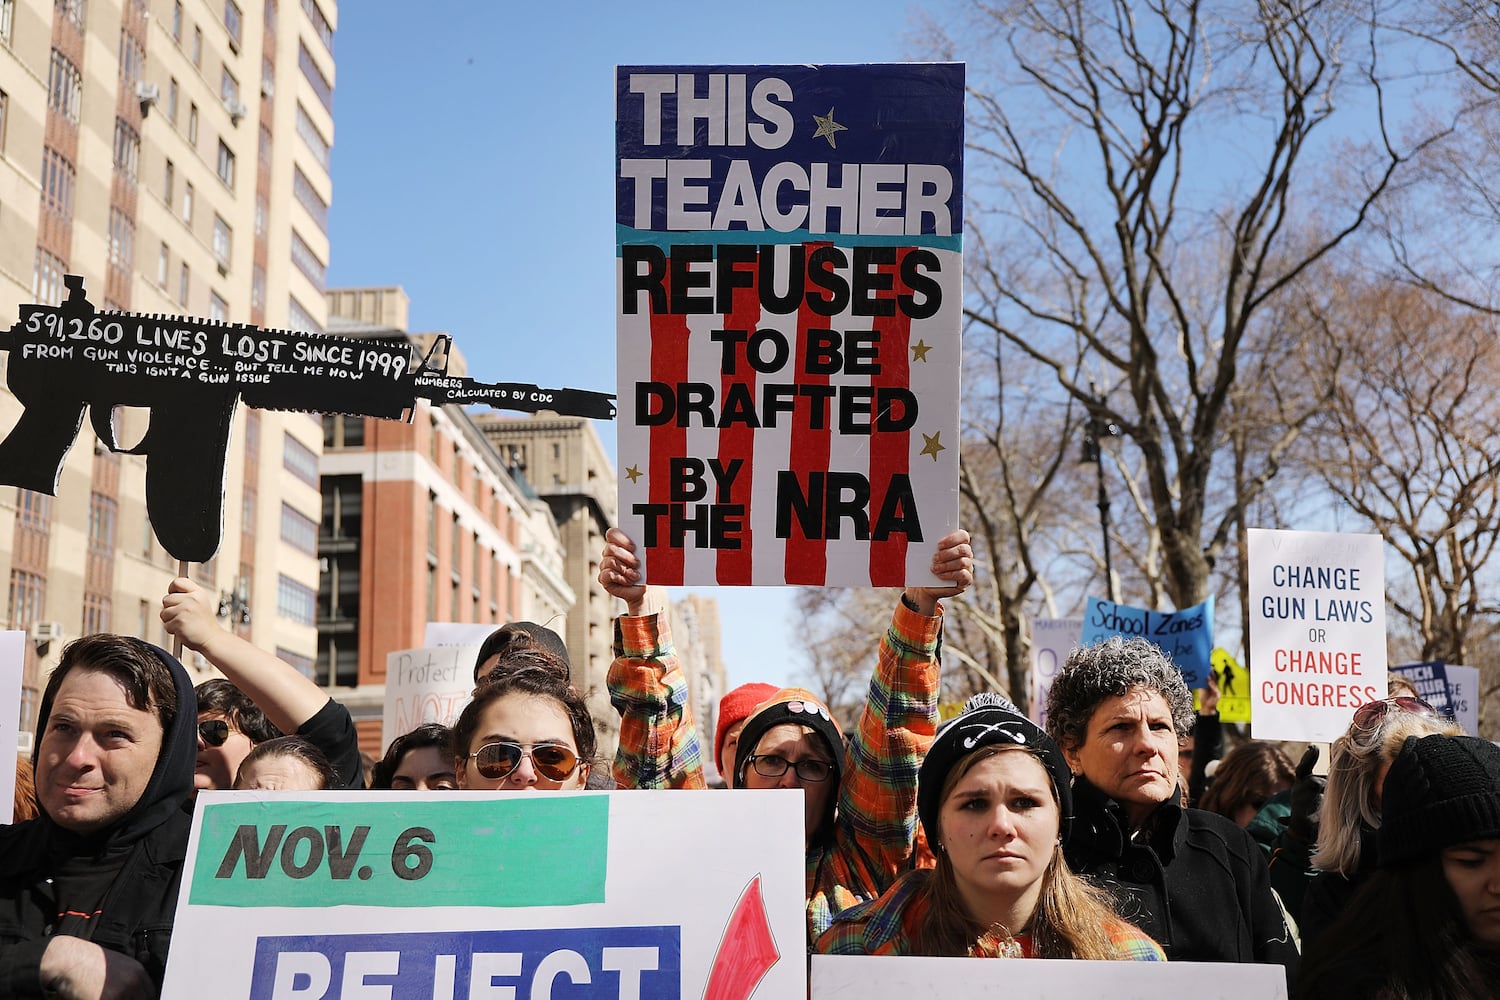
509	850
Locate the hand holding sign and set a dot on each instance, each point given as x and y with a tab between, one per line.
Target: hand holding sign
953	561
620	576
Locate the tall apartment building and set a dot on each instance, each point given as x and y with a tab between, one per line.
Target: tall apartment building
695	633
175	154
422	522
565	462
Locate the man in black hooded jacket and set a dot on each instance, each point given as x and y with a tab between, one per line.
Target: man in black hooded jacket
88	890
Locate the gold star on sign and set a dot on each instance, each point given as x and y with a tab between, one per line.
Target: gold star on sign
827	127
919	351
933	445
633	473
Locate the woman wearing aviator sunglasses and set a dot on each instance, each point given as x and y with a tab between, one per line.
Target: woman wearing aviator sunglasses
527	730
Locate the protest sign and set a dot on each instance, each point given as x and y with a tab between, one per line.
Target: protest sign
1431	681
432	684
1234	687
789	314
192	374
1052	639
1463	697
1187	636
1317	631
12	670
456	895
838	977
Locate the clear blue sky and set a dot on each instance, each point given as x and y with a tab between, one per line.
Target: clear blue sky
473	166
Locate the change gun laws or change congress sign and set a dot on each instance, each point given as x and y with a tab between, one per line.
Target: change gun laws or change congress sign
1317	631
459	896
789	304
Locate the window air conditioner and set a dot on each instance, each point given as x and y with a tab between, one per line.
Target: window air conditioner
46	631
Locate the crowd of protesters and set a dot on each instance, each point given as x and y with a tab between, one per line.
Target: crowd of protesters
1118	833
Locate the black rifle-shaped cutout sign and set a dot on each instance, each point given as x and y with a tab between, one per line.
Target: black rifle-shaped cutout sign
191	374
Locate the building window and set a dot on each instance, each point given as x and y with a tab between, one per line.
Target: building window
247	511
101	524
319	146
296	602
258	287
223	242
64	87
163	262
319	22
58	179
33	509
308	263
309	199
198	47
193	125
28	598
168	182
7	18
132	58
127	149
71	11
47	279
343	506
226	164
234	22
298	530
121	240
299	319
300	460
4	109
264	147
229	87
187	202
320	84
172	101
262	210
218	309
341	431
183	280
95	614
431	528
177	21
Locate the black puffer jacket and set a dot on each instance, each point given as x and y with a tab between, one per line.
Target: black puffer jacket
146	847
1193	880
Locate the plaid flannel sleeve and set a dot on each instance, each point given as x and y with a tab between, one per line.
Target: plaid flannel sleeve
878	800
658	739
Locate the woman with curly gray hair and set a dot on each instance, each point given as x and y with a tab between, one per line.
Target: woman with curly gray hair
1194	881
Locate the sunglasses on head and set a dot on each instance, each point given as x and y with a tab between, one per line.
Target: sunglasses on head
213	732
1369	715
553	761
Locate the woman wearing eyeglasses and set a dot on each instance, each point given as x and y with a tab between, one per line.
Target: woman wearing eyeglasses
527	730
1350	816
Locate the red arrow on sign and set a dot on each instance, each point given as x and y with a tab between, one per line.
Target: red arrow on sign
747	951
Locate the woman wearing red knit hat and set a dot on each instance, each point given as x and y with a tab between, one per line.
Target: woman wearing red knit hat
734	708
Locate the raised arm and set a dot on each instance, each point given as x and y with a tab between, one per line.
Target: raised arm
659	746
878	798
290	700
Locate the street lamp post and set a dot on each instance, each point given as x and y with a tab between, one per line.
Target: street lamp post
1095	432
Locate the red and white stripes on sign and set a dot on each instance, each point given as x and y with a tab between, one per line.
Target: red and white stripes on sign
673	349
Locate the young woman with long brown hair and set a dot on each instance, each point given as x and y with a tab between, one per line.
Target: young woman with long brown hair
993	796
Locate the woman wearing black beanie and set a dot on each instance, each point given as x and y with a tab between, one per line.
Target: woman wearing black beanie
1427	923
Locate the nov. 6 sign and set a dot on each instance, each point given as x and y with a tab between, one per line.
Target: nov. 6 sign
462	896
